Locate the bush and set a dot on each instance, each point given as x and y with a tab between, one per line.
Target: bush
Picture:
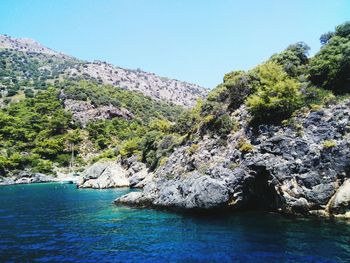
330	67
327	144
29	93
219	94
161	125
244	146
130	147
240	85
223	125
294	59
11	92
43	166
192	149
277	96
317	96
63	159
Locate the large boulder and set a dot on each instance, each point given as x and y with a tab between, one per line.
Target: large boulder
339	205
104	175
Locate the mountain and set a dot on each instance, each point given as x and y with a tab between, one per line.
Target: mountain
31	65
27	45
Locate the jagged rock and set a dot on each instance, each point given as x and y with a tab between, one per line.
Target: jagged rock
290	169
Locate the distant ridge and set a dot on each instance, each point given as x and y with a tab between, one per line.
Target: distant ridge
58	66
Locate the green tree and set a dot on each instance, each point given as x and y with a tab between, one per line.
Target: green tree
277	96
330	67
293	59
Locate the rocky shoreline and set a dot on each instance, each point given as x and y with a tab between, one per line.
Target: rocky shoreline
100	175
27	177
300	168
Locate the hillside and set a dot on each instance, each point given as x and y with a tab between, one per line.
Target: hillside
26	64
274	138
90	121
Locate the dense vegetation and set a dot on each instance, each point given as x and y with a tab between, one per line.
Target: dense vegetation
276	89
34	132
142	107
29	71
37	131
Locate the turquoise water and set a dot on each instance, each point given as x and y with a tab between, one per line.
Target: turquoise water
55	223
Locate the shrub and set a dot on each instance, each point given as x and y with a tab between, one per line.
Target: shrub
63	159
240	85
161	125
330	67
327	144
294	59
107	154
277	96
244	146
43	166
192	149
318	96
223	125
29	93
11	92
130	147
163	160
219	94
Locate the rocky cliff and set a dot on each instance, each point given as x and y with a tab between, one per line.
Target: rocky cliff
84	112
301	167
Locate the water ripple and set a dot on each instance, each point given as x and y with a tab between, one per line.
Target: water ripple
55	223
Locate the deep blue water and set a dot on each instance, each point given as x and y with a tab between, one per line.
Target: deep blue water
55	223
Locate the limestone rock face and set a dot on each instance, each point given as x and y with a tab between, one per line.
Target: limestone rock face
104	175
138	174
110	174
84	112
300	168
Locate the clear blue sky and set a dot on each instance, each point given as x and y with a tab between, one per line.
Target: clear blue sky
192	40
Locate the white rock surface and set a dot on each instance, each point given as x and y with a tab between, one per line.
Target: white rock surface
104	175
